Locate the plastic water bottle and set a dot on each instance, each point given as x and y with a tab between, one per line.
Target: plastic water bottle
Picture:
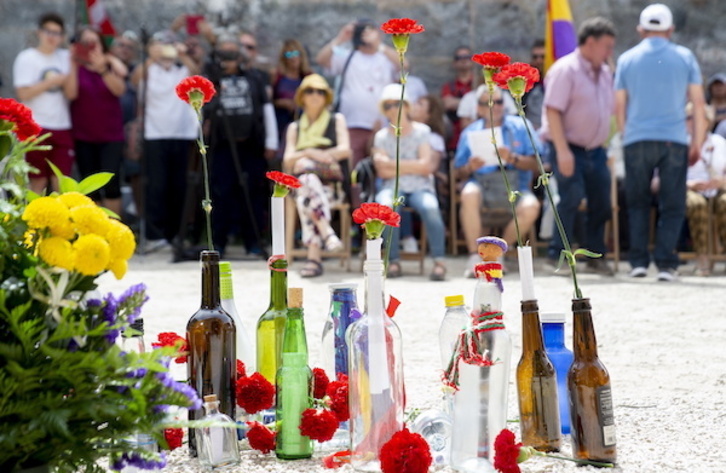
553	330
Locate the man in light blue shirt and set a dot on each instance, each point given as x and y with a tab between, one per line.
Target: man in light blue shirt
654	80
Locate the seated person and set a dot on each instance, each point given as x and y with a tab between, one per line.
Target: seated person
485	185
315	145
706	179
416	182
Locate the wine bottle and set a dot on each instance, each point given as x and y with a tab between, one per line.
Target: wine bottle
539	413
592	422
211	335
271	325
294	384
553	331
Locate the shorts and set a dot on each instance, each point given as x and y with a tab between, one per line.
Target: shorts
61	154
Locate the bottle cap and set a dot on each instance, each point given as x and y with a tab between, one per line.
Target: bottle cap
138	325
294	297
451	301
225	280
210	256
210	398
343	285
225	268
552	317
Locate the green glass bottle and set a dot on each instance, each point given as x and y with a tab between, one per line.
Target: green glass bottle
294	384
271	324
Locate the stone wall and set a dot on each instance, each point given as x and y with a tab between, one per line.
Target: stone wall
505	25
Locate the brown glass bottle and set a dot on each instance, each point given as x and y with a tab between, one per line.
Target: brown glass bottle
539	411
591	402
211	364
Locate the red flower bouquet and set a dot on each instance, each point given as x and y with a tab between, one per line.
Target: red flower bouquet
374	217
171	339
283	183
320	383
518	77
241	369
406	452
260	437
196	91
254	393
18	118
337	392
173	438
318	424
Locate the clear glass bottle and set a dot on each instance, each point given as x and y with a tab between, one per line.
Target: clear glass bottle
480	404
553	330
375	371
591	402
434	426
245	348
455	319
335	348
218	448
211	338
271	325
539	414
294	384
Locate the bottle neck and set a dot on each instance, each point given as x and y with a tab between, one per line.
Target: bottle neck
211	407
210	280
374	306
531	330
554	335
344	295
487	296
278	285
294	341
584	341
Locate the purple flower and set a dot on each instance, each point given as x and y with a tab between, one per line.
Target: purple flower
134	459
190	393
109	316
131	301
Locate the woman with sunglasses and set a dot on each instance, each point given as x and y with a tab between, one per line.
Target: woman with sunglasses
316	144
293	66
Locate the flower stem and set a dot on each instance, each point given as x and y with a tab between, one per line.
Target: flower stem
207	202
544	180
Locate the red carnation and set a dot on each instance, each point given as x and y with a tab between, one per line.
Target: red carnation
320	383
171	339
506	452
374	217
318	424
406	452
260	437
338	393
195	90
518	77
254	393
402	26
283	183
337	459
173	438
20	119
241	369
491	60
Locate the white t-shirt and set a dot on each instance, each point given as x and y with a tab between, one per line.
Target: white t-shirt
167	116
365	78
712	163
50	108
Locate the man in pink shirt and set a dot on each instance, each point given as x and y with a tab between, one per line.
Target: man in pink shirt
578	103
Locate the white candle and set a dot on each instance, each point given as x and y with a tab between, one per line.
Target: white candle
526	272
377	349
278	225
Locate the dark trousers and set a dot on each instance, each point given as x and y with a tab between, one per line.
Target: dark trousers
101	157
166	164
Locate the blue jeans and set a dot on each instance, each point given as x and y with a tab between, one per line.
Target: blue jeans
671	160
426	206
591	181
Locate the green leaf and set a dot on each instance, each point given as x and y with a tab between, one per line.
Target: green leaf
586	252
5	144
94	182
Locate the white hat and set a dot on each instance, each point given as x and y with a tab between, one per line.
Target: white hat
656	17
393	92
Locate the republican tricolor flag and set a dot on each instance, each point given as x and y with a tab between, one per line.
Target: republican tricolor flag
560	37
96	16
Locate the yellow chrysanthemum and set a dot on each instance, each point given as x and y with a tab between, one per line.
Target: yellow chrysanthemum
121	239
57	251
90	219
29	238
92	254
45	212
118	267
75	199
63	229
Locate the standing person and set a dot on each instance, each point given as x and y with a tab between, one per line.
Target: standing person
654	81
293	66
40	77
533	99
98	78
364	71
716	97
579	102
170	128
455	89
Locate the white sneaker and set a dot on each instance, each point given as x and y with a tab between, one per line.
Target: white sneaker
638	272
409	245
472	261
668	275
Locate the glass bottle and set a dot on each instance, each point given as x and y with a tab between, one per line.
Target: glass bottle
245	349
211	336
539	413
335	349
294	384
455	319
434	426
480	404
375	371
218	446
271	325
591	402
553	330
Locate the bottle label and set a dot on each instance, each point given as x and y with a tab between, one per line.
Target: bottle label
605	412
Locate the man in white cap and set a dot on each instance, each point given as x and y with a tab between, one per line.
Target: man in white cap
653	82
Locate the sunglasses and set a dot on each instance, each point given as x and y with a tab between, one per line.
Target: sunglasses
292	54
461	57
389	105
484	103
251	47
315	91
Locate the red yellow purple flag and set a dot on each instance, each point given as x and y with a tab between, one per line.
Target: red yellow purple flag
560	37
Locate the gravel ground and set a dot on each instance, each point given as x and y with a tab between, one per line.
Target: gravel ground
662	343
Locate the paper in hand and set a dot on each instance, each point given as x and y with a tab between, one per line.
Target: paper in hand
480	143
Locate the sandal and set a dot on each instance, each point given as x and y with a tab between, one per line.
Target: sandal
332	243
312	269
438	273
394	270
